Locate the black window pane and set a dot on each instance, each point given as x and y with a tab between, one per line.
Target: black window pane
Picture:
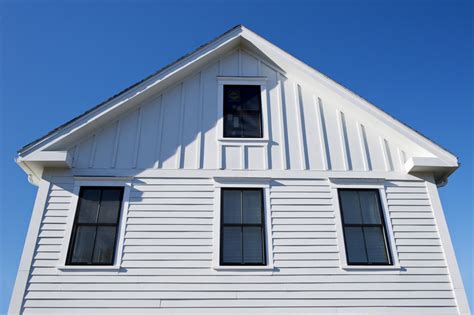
95	227
83	245
253	245
242	111
89	206
232	246
252	206
104	245
355	246
250	97
350	207
232	206
375	244
110	206
250	124
370	207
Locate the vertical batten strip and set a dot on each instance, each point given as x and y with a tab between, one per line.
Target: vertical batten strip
365	148
200	136
160	134
344	140
302	128
281	120
136	144
404	156
299	130
219	151
76	155
268	148
179	149
116	144
324	135
387	154
239	62
92	153
401	158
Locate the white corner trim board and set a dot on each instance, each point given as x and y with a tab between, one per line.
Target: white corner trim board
448	248
26	261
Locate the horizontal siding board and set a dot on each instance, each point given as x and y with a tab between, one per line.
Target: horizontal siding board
168	249
243	278
191	295
170	214
262	310
220	287
310	302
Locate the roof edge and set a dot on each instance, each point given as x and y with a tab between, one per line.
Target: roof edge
39	140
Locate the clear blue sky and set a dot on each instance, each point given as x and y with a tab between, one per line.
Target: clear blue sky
413	59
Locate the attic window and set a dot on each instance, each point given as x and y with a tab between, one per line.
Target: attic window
242	111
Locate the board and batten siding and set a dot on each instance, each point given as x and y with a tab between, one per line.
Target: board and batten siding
309	128
166	266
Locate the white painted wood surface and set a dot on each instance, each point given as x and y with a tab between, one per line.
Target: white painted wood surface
308	128
167	256
168	145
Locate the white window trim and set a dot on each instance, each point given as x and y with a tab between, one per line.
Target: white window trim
232	182
79	182
262	82
379	184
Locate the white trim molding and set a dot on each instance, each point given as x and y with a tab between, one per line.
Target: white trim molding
447	245
224	182
79	182
16	302
359	183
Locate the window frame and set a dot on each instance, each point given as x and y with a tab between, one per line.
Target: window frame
362	225
80	182
229	80
242	183
76	225
242	225
368	183
243	111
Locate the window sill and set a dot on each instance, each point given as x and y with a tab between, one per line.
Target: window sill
89	268
243	268
371	268
243	140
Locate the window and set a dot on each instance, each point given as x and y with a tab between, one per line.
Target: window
365	236
94	232
242	227
242	111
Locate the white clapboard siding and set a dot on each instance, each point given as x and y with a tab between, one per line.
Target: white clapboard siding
308	127
168	250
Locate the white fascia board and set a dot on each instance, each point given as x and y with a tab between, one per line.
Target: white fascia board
435	166
287	61
427	164
34	163
134	92
49	158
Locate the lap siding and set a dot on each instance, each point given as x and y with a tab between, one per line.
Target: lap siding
167	256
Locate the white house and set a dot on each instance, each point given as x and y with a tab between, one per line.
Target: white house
237	180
